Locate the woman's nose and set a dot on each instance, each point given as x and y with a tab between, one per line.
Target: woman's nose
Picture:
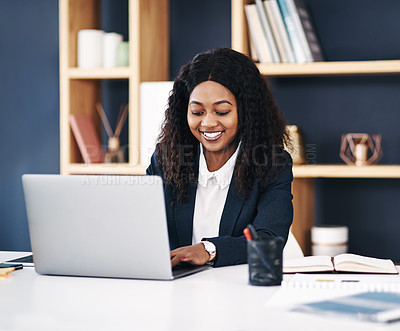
209	120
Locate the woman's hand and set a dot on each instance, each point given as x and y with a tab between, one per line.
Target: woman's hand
195	254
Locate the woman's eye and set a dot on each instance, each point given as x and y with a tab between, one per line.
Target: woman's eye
196	113
222	113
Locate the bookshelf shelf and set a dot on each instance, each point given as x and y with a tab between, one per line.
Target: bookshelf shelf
299	171
102	168
114	73
345	171
331	68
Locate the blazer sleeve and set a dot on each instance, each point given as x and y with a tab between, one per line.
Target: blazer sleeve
153	168
273	218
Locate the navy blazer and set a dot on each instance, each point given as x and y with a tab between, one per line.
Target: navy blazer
268	208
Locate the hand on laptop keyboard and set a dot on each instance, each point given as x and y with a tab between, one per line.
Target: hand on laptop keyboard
195	254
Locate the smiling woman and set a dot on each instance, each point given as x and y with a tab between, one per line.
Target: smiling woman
213	119
220	154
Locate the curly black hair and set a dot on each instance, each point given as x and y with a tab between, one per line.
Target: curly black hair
262	127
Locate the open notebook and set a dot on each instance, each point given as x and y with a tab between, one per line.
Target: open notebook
340	263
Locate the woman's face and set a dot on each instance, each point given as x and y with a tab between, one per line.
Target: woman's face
213	117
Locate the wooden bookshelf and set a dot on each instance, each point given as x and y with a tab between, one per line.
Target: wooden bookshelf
80	89
113	73
304	175
111	169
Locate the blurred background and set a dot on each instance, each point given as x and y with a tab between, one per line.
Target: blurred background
323	107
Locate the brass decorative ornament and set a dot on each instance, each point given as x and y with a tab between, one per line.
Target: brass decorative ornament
296	148
361	149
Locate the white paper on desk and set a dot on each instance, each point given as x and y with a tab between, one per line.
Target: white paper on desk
366	306
305	288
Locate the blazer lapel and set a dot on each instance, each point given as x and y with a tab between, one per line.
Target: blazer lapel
184	211
184	218
233	206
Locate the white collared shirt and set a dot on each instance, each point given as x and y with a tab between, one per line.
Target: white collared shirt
212	190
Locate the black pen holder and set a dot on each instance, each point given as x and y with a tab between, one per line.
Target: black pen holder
265	261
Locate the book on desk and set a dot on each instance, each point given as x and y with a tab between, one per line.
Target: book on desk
340	263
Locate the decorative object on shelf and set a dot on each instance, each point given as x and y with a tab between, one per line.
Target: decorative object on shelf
90	48
86	138
361	148
123	54
111	40
97	49
296	150
114	154
329	240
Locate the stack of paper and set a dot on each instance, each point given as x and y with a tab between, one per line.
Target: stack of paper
307	288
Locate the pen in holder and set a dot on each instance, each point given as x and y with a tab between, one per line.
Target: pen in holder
114	154
264	258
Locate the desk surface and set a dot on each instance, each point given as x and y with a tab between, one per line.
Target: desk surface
215	299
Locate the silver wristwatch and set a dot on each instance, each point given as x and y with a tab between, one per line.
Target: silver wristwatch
210	248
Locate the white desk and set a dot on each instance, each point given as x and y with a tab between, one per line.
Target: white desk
216	299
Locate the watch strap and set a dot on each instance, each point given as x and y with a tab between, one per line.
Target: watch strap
210	248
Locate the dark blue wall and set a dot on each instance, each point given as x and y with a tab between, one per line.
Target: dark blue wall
196	26
29	107
324	107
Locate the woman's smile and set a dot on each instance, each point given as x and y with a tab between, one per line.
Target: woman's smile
211	136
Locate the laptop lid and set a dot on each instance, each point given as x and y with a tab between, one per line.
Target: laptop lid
105	226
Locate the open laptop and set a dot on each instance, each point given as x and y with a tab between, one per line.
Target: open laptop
101	226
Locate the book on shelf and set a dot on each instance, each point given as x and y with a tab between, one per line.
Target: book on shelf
252	48
279	31
256	33
86	138
275	54
309	31
299	28
293	32
340	263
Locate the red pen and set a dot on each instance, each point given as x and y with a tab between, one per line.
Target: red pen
247	234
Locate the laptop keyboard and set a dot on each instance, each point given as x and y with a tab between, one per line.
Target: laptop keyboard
184	268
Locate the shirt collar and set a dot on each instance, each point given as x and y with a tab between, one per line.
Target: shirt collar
222	176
